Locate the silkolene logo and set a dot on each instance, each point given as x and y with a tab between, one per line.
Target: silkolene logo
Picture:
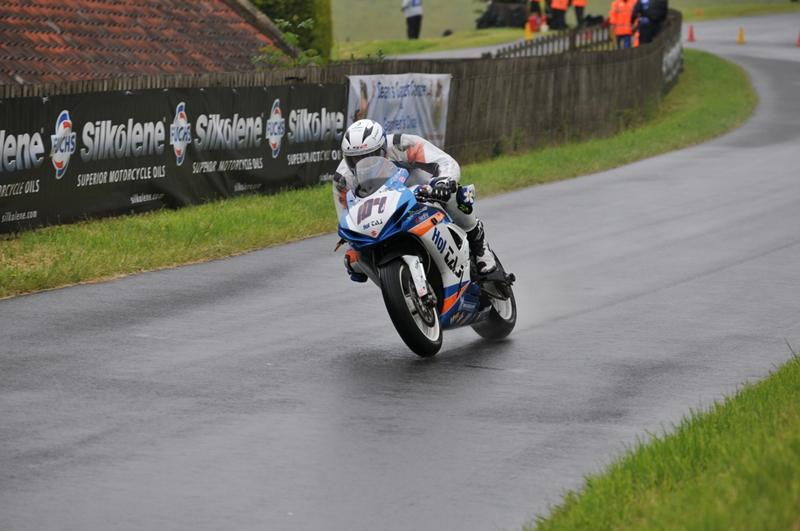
63	144
180	133
276	127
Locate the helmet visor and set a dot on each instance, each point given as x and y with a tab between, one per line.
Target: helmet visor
353	160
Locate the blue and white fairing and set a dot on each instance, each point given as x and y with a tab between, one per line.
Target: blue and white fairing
380	215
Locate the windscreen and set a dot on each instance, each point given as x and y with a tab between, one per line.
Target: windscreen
370	174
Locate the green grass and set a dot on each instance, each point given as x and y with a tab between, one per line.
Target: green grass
368	20
736	466
694	13
464	39
102	249
712	97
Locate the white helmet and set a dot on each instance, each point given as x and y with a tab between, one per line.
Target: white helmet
364	138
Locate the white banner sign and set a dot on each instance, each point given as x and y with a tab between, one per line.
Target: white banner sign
402	103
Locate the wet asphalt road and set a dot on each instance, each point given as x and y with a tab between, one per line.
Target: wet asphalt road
267	392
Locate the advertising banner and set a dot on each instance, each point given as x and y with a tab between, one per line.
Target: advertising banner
66	158
402	103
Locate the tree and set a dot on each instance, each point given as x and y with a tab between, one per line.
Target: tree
293	16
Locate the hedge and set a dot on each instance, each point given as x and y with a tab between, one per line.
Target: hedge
320	37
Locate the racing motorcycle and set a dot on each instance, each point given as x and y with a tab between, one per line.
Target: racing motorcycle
403	240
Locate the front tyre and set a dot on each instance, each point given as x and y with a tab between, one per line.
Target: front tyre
501	320
416	322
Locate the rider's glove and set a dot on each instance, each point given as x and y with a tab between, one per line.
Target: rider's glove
423	192
441	188
340	181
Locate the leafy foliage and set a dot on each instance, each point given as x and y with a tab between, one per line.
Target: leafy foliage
308	20
269	56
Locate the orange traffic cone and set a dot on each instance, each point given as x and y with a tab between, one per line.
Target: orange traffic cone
740	37
691	33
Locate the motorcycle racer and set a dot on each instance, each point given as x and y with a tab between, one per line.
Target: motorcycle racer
436	173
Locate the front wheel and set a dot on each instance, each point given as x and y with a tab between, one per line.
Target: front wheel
416	322
501	320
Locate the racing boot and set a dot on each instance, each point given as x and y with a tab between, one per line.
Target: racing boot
351	265
484	257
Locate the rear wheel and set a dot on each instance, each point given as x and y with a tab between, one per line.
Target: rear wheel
416	322
501	320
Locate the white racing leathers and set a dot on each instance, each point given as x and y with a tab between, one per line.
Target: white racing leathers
421	158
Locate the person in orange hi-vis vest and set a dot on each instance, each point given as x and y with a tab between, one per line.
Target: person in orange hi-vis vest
620	19
580	6
559	9
612	17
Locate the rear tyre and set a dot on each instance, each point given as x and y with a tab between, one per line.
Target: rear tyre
502	318
417	323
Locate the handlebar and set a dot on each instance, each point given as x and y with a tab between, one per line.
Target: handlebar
421	196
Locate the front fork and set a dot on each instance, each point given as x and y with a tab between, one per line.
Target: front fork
421	285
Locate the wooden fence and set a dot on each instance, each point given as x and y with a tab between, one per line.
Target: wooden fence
595	38
562	87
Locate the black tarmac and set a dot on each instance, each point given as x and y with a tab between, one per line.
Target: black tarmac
268	392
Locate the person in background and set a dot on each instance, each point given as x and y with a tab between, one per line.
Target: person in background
580	6
651	15
559	9
536	8
620	16
412	9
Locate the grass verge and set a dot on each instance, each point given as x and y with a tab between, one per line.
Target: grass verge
711	11
736	466
387	22
712	97
459	40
